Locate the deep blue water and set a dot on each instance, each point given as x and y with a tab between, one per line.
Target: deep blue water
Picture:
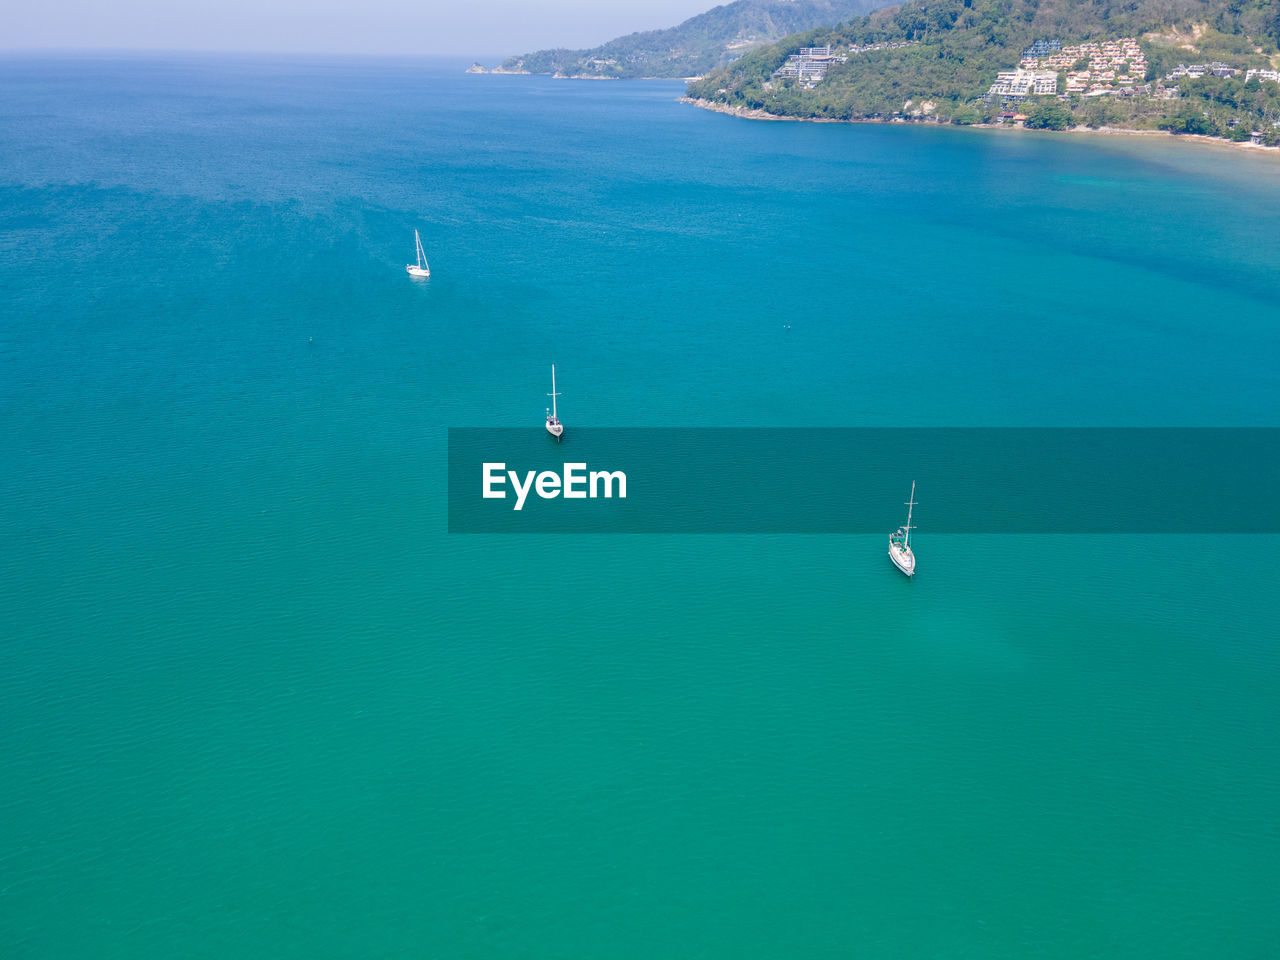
255	701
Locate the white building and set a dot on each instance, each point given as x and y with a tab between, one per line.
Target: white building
1024	83
810	65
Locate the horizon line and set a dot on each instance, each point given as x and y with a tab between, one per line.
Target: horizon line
363	54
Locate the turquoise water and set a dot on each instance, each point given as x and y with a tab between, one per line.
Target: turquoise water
255	701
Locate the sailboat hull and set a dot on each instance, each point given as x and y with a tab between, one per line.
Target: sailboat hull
554	426
416	271
903	558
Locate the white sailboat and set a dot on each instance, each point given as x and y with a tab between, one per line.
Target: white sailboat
419	269
554	426
900	542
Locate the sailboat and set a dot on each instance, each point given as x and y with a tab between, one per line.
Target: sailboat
554	426
899	543
419	269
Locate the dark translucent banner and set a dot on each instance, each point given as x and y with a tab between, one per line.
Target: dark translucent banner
1000	480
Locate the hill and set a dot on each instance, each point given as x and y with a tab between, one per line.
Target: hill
939	59
714	38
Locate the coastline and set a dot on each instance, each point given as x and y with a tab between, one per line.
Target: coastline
756	114
477	69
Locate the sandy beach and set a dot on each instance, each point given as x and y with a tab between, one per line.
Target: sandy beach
751	114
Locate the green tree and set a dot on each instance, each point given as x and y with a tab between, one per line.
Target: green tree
1050	115
1101	112
1190	118
1239	133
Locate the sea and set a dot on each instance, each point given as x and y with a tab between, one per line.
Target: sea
256	700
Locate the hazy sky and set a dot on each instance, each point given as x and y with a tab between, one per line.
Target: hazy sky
468	28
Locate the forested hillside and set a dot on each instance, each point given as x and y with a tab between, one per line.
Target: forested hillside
957	47
700	43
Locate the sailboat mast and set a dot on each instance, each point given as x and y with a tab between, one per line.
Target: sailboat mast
910	503
553	393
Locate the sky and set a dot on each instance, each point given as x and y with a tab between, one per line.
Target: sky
464	28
